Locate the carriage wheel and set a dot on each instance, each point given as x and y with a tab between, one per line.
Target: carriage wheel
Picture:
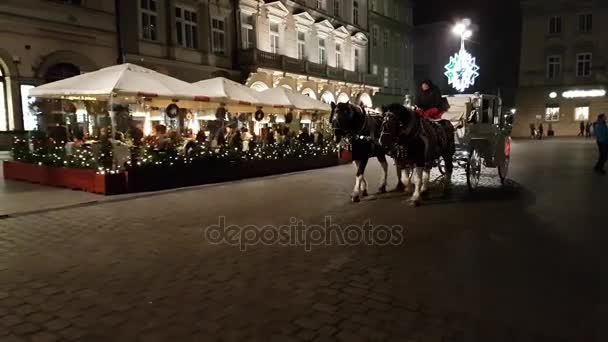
503	170
474	165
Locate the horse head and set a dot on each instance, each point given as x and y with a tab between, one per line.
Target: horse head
395	125
346	119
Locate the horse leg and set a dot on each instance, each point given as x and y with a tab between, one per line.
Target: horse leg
417	186
400	186
426	175
384	166
363	183
406	178
355	194
449	167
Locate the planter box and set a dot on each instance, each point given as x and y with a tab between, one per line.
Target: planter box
153	178
76	179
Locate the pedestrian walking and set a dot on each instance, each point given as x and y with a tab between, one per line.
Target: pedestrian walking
532	131
582	129
588	130
601	135
540	131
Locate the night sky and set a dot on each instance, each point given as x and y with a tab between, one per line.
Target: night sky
496	39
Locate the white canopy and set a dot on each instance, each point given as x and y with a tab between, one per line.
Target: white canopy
229	91
123	80
283	97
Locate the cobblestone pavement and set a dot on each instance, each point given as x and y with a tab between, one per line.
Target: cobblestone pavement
520	263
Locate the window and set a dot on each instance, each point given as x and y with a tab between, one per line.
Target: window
247	32
375	69
554	67
581	113
322	52
385	39
555	25
375	36
218	36
301	45
337	8
3	111
386	81
186	27
30	121
552	113
339	56
585	23
357	62
583	65
274	38
149	19
356	13
373	5
321	4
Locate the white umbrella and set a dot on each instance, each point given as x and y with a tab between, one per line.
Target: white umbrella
123	80
283	97
229	91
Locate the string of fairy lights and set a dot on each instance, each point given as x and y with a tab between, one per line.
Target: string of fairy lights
83	157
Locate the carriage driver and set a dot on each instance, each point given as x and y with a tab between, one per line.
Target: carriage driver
429	102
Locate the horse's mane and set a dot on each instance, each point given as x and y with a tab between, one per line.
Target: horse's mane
347	106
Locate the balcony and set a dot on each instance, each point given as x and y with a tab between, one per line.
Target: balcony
253	58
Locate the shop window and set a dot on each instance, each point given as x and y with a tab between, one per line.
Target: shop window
581	113
149	19
583	64
552	113
555	25
218	31
186	27
247	31
585	23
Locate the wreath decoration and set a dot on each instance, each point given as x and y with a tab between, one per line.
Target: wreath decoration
189	116
172	111
314	117
259	115
289	117
220	113
272	119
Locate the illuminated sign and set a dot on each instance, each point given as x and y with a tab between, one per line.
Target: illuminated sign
572	94
462	70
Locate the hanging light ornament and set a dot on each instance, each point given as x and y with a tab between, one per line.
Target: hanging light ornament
462	69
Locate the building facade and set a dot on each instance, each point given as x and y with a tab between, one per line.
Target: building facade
391	48
321	48
44	41
563	75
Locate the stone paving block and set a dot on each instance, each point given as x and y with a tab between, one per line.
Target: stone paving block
10	320
25	328
44	337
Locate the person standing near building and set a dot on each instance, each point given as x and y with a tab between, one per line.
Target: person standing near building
532	131
601	135
541	131
588	130
582	129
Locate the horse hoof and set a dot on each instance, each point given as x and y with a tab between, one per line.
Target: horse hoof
364	193
382	190
356	199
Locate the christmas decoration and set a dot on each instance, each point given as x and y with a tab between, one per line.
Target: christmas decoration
259	115
462	70
172	111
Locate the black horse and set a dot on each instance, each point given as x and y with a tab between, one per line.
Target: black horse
356	130
417	143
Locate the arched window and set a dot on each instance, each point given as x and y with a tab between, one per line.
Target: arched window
3	111
343	98
61	71
328	97
259	86
356	13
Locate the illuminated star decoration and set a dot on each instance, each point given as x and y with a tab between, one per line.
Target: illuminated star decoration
462	70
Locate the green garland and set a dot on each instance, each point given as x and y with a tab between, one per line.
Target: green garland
83	157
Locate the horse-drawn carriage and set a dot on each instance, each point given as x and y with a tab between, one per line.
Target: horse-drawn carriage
482	135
